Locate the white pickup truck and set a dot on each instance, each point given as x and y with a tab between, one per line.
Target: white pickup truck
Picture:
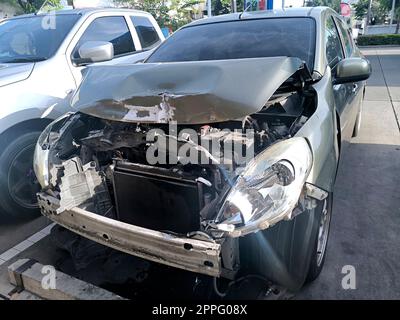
42	57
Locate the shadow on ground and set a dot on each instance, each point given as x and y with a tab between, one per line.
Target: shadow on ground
365	230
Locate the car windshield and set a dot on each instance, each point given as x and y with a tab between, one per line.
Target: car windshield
33	39
292	37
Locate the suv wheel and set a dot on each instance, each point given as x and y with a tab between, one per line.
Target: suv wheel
18	183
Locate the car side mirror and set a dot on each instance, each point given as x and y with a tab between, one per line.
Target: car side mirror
95	51
352	70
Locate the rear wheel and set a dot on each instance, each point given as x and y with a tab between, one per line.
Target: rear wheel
18	183
321	242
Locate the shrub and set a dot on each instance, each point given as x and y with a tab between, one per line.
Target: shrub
379	39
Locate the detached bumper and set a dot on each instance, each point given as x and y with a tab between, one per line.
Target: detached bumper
180	252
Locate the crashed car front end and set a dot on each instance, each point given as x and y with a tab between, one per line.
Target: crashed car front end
177	169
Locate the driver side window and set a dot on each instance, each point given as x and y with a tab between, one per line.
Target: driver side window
111	29
334	51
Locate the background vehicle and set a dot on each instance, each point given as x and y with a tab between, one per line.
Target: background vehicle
294	76
40	67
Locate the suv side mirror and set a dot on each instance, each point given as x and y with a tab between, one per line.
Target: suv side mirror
352	70
95	51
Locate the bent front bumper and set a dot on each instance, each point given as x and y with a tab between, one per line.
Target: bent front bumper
189	254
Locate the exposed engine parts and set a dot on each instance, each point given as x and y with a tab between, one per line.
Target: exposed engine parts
168	178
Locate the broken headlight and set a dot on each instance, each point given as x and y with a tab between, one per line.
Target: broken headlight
41	165
41	156
268	190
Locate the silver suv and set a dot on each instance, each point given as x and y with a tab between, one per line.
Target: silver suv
42	59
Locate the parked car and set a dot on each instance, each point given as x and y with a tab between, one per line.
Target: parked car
123	169
42	58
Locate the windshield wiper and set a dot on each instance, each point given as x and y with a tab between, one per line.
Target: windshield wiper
22	60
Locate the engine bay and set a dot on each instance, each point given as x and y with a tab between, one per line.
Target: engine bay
167	178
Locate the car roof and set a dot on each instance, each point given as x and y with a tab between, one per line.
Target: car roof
83	12
314	12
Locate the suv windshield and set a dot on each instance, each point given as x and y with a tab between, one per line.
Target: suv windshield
33	38
292	37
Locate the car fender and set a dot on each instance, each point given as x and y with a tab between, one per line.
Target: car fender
321	133
44	95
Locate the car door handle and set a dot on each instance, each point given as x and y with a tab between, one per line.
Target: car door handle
355	87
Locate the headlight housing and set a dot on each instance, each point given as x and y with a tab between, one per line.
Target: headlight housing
268	190
41	165
42	151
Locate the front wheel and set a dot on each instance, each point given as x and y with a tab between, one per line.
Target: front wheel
319	253
18	183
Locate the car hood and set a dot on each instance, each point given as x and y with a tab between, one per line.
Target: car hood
14	72
186	92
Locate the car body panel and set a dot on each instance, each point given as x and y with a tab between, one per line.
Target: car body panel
320	132
35	99
14	72
134	93
203	256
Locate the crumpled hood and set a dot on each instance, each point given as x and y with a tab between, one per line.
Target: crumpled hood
186	92
14	72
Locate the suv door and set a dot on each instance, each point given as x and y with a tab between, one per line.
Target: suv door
113	29
342	92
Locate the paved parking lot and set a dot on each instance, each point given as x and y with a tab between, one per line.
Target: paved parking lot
365	229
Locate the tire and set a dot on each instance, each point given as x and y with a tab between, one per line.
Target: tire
321	242
18	183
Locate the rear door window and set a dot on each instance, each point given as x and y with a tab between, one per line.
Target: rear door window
147	34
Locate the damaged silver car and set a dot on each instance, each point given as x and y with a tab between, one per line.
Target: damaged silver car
218	154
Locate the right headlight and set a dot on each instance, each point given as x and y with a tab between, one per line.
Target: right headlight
268	190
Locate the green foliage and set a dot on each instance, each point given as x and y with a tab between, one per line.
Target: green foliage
32	6
387	4
225	6
172	13
334	4
51	5
379	39
361	9
379	10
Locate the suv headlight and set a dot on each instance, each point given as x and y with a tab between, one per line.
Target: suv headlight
41	158
42	150
268	189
